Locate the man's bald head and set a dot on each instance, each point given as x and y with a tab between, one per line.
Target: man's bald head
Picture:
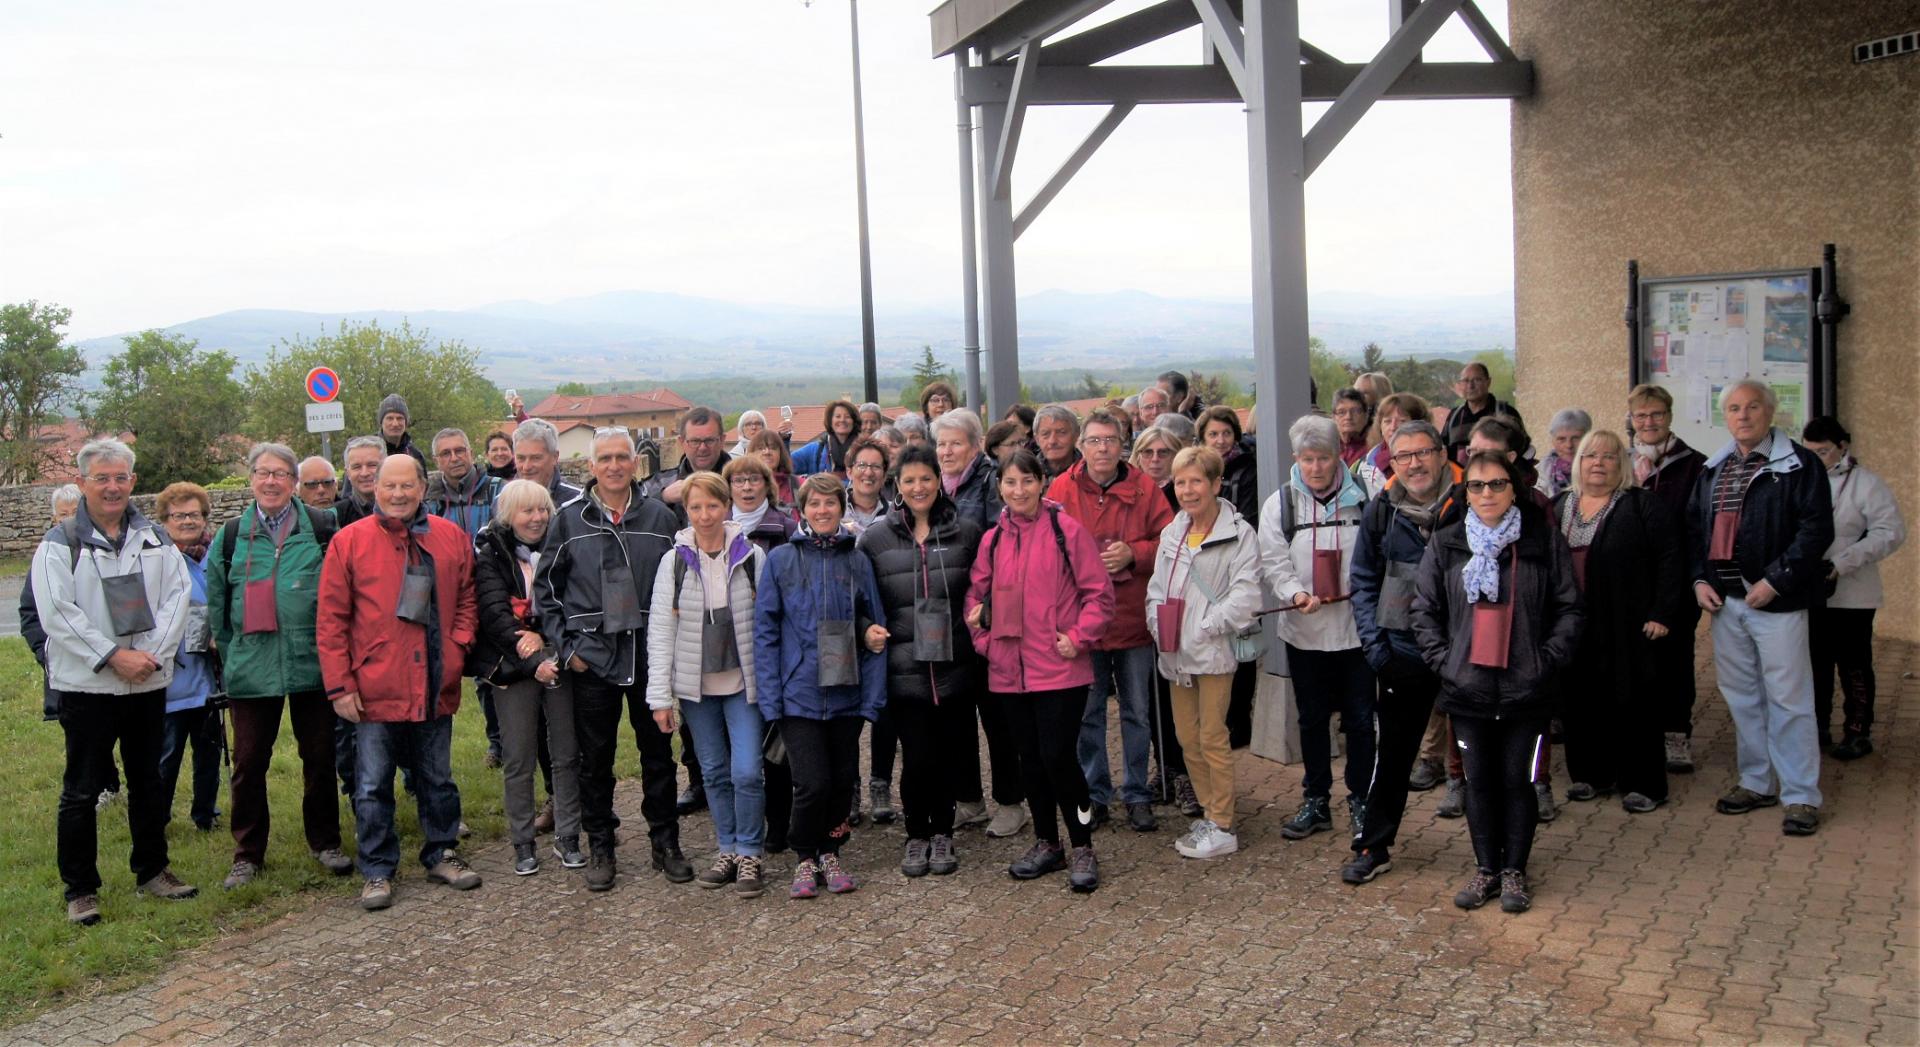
400	486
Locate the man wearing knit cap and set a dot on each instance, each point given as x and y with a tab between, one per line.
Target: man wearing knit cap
394	420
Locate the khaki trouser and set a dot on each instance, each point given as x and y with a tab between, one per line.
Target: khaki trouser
1200	722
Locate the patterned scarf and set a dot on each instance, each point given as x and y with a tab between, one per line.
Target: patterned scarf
1482	573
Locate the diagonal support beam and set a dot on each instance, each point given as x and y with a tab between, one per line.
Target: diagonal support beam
1310	53
1403	47
1024	72
1123	34
1229	41
1074	162
1484	32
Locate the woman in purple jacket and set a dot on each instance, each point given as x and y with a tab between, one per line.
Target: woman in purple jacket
1039	599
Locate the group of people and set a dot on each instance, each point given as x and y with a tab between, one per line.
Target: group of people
928	579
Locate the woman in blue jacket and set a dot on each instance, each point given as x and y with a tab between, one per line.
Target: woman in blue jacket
819	655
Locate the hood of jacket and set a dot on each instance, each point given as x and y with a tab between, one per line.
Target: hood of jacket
1780	457
738	548
1349	494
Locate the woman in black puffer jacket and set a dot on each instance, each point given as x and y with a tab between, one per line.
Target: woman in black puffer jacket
508	652
922	553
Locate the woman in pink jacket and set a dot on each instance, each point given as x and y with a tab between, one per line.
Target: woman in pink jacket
1039	599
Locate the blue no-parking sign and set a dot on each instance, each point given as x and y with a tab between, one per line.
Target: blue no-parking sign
323	385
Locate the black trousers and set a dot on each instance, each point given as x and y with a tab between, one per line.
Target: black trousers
1502	810
883	743
1842	638
1402	712
1046	727
1002	751
596	724
1673	676
1325	682
1613	741
1246	681
933	744
688	759
824	758
1167	754
92	724
779	778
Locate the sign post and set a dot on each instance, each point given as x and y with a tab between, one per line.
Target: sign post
324	415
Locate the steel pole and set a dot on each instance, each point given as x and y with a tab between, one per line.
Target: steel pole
969	266
867	357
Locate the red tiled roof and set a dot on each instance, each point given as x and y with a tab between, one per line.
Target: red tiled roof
556	407
60	442
807	419
668	396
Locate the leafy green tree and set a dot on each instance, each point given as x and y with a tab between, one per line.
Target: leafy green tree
927	371
1330	373
38	372
441	383
1499	364
181	403
1092	387
1372	358
572	389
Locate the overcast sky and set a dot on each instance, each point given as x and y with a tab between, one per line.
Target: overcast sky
161	162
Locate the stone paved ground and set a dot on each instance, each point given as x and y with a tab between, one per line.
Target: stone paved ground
1679	926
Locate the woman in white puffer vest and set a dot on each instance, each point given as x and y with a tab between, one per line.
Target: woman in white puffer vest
1205	590
700	658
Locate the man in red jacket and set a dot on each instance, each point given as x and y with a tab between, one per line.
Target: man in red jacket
1125	512
396	620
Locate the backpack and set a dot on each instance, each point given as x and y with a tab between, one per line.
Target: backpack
324	528
70	527
1059	539
1290	525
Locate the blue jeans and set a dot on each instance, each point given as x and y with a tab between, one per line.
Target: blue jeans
427	748
727	733
201	729
1129	673
1766	676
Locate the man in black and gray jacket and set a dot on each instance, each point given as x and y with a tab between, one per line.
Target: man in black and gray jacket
592	592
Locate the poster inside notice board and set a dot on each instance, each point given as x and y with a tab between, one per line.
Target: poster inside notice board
1700	334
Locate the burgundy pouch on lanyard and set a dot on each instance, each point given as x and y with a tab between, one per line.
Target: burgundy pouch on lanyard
259	609
1726	525
1493	627
1168	617
1326	562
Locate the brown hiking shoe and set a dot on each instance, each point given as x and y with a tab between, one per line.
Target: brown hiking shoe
84	910
376	893
453	871
166	885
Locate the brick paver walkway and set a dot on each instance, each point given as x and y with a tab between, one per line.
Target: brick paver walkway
1677	926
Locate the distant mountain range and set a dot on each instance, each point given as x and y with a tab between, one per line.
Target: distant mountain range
623	333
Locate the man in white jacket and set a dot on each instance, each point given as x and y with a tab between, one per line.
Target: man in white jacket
113	595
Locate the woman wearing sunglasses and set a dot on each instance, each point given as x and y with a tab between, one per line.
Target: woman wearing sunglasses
1497	613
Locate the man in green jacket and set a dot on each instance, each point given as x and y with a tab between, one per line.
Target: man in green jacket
263	580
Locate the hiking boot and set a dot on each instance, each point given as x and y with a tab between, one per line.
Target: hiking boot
670	861
600	869
1042	858
1007	821
1156	787
1801	820
567	849
525	862
1581	792
880	801
334	860
1543	793
543	822
1208	840
376	893
1140	818
493	760
692	798
1454	804
942	860
170	887
84	910
106	799
454	871
839	880
1365	866
1477	890
969	813
1679	753
1742	799
240	875
1425	775
1356	815
806	880
1852	747
1312	817
465	830
721	872
1083	875
915	862
746	876
1185	798
1639	803
1514	896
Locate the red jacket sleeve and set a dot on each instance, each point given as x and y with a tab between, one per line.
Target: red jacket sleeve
466	613
1158	515
980	577
1095	585
333	622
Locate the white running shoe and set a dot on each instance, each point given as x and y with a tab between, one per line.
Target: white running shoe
1214	843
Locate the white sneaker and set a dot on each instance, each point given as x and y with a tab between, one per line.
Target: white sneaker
1215	843
1194	831
968	813
1007	821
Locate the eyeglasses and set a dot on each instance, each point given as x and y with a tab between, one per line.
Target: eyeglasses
868	467
1651	416
451	452
703	441
281	475
187	514
1496	486
1154	452
1409	457
104	479
745	481
1100	441
311	484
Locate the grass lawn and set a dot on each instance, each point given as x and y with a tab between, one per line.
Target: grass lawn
11	566
45	962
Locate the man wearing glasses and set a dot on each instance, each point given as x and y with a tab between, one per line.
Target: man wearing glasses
1477	401
319	484
263	582
1423	496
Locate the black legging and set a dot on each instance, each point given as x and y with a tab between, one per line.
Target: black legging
1673	675
1405	704
1002	751
883	742
933	744
1842	638
1046	727
1502	810
824	757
